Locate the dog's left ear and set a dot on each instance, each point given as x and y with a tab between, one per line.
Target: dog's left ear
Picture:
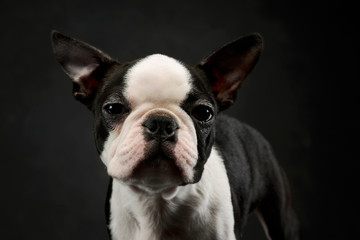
228	67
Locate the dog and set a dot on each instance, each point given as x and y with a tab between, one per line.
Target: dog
179	168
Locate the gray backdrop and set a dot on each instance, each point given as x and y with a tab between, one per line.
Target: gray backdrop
300	96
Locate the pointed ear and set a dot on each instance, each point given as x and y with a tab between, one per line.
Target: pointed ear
228	67
83	63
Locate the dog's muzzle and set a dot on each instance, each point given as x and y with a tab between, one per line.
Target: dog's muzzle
158	171
153	150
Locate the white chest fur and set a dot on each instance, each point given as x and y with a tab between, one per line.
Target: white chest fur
199	211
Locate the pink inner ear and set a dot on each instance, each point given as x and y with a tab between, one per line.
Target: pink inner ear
78	73
226	85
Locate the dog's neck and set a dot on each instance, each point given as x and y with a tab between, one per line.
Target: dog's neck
198	211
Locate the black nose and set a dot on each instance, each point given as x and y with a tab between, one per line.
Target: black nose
161	128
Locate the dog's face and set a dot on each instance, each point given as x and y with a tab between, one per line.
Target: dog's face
154	128
154	117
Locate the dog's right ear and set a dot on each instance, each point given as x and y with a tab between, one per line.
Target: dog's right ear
83	63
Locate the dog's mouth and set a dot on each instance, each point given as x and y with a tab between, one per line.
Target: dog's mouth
158	175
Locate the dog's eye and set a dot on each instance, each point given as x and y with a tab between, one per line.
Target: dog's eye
203	113
114	108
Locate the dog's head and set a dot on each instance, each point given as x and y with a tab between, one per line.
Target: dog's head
154	117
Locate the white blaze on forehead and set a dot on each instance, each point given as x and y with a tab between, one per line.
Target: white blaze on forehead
159	79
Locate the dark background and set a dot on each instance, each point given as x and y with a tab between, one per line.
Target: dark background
300	96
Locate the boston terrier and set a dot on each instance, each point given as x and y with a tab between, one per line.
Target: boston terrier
178	167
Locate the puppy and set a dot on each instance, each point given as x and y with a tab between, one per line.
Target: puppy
179	169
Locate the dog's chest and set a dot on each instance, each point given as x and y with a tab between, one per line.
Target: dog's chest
199	211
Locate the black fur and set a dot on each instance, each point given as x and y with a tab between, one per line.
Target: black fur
257	182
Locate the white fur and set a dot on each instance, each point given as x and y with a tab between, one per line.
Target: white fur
136	216
157	79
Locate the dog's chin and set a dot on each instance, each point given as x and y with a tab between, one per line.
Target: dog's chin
161	179
166	192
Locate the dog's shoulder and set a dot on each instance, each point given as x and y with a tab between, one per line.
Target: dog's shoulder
245	152
234	132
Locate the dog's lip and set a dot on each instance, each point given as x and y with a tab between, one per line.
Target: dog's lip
153	187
